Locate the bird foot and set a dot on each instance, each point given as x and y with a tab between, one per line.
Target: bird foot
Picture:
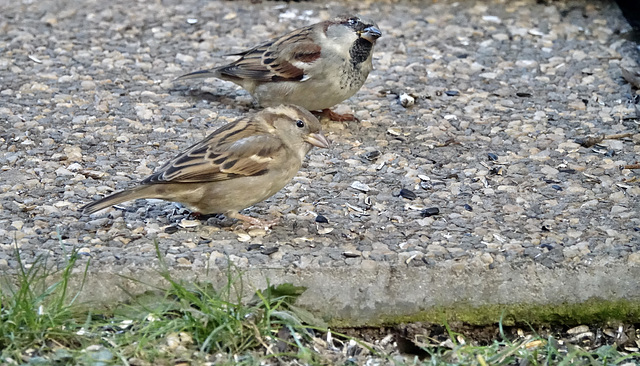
200	216
249	222
335	116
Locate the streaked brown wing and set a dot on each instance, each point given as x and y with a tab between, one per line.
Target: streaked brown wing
249	66
272	61
239	152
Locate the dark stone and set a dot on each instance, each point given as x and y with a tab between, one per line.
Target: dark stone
431	211
408	194
322	219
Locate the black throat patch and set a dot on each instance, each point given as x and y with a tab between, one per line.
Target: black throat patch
360	51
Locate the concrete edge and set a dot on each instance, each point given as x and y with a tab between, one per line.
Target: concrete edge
381	294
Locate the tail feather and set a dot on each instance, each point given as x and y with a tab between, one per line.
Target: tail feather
213	73
114	199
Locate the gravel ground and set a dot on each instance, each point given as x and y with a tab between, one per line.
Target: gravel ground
500	89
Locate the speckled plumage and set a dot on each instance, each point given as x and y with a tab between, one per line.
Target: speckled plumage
238	165
315	67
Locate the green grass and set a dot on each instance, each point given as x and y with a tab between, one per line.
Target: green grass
33	314
41	323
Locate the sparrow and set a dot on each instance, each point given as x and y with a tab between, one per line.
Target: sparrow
240	164
315	67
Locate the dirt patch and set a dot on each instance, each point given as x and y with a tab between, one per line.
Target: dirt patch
414	338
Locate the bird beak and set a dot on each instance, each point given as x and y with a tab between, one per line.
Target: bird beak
318	139
371	33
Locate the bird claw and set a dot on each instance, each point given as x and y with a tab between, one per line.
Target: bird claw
249	222
200	216
262	224
195	215
333	116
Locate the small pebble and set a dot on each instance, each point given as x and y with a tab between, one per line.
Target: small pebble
498	170
171	229
351	254
325	230
188	223
244	237
87	85
452	93
394	131
372	155
360	186
407	100
269	251
35	59
491	19
578	329
426	185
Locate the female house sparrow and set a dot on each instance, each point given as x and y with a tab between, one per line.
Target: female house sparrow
315	67
238	165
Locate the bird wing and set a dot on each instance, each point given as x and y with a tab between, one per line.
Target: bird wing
225	154
283	59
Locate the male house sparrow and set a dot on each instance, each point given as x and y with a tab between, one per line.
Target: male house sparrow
236	166
315	67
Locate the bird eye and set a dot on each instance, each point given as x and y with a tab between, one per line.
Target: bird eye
353	21
300	123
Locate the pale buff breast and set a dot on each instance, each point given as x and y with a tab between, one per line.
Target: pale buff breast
322	91
232	195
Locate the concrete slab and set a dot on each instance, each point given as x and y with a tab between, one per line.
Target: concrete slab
529	220
381	294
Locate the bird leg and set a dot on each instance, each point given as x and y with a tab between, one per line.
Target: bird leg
252	222
335	116
202	217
